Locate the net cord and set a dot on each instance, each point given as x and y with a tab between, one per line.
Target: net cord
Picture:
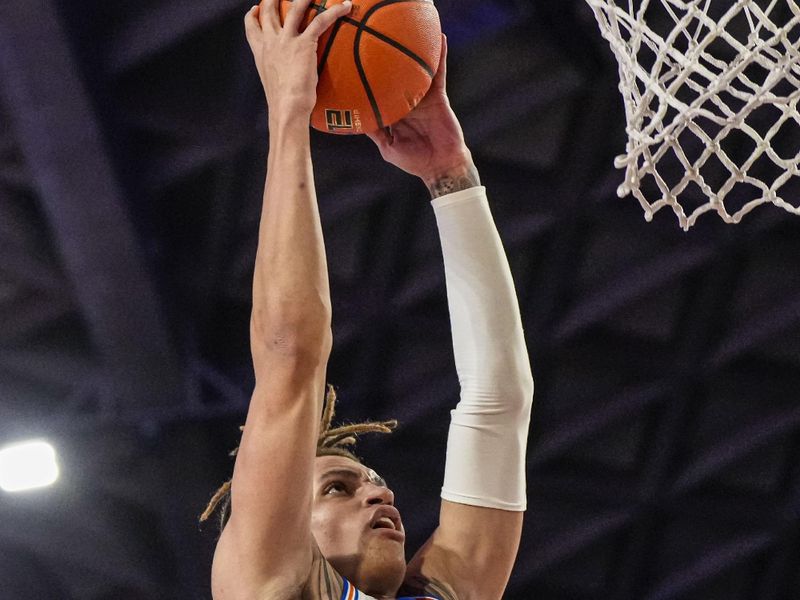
657	118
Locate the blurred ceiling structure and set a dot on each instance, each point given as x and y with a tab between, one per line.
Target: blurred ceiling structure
664	459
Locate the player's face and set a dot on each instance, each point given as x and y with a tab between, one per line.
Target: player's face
356	525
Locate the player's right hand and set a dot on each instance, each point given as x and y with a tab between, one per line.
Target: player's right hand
428	142
285	57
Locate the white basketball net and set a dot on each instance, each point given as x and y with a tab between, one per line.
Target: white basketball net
710	91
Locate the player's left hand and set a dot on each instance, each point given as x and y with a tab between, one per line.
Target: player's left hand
428	142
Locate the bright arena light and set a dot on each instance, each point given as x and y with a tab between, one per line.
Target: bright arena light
27	465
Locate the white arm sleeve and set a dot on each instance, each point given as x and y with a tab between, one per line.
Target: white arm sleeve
489	427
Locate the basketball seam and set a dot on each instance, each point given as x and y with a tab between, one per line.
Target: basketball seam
357	56
363	76
319	8
363	27
328	45
392	42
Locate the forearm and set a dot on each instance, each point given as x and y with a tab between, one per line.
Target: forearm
291	297
488	340
488	434
289	329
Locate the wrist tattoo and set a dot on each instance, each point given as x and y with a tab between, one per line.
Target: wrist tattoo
454	182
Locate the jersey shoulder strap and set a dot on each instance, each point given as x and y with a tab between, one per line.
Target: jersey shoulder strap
324	583
349	592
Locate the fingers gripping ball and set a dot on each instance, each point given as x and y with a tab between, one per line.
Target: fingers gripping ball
374	64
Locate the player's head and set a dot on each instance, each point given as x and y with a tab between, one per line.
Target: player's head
354	521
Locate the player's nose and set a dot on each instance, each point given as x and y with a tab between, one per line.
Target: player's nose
377	494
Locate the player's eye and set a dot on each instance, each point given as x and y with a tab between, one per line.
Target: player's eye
335	487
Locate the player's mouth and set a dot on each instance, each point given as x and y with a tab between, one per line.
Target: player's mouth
386	519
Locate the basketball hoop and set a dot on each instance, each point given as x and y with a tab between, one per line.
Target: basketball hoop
710	89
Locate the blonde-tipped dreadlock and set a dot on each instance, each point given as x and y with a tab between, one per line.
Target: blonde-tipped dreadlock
331	442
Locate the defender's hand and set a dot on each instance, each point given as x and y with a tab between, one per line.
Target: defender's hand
286	59
428	142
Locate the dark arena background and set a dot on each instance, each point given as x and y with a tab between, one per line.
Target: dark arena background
664	455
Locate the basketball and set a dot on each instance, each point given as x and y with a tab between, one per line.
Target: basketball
375	64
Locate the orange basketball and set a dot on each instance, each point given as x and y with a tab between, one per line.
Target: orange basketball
375	64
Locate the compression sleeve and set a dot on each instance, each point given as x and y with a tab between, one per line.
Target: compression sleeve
485	463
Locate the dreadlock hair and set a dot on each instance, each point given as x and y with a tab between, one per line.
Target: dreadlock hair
334	441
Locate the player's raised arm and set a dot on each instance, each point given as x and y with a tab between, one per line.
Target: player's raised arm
474	548
265	550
